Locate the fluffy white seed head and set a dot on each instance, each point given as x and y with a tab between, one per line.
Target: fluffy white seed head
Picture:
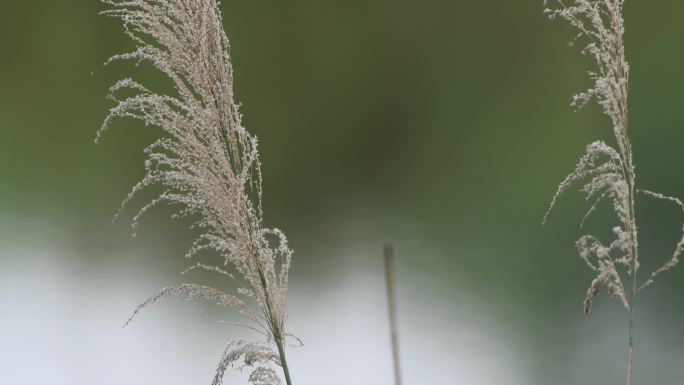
207	163
607	173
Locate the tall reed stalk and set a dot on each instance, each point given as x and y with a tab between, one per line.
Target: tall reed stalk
208	167
609	173
390	278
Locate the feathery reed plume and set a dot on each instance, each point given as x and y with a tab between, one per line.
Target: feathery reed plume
607	172
208	166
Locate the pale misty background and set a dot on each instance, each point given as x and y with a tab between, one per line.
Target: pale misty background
442	127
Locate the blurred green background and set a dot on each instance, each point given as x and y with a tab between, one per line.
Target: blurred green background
441	126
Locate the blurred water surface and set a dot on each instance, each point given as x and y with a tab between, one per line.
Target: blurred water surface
442	127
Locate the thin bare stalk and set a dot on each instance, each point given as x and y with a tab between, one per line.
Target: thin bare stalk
630	354
392	305
283	361
630	343
634	267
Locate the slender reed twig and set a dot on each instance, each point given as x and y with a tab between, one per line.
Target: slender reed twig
283	361
390	277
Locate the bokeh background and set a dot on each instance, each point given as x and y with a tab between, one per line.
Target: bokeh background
440	126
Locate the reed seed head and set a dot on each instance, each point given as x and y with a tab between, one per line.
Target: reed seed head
607	173
206	162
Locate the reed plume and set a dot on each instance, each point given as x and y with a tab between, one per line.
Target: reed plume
208	166
609	173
